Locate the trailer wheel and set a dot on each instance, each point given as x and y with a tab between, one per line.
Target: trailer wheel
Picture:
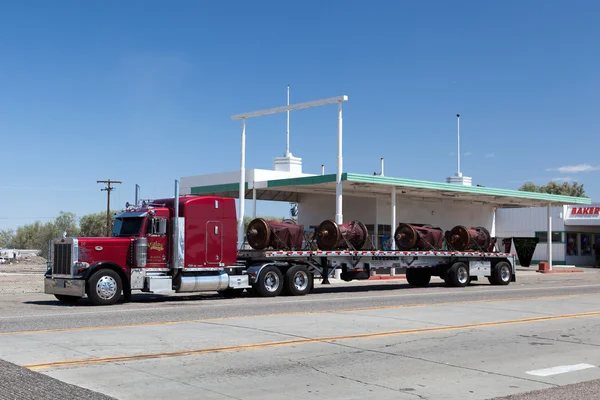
501	274
458	275
297	281
418	277
104	287
269	283
63	298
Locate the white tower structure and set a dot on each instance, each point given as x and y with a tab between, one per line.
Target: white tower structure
288	162
459	179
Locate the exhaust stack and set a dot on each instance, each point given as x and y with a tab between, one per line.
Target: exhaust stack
175	224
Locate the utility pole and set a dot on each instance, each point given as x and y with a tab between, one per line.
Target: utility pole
108	189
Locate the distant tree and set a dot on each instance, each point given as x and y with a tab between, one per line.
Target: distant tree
6	238
66	222
93	225
38	235
565	189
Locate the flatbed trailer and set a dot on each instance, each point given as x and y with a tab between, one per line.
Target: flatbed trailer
457	269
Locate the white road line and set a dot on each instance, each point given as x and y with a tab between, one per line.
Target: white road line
188	304
561	369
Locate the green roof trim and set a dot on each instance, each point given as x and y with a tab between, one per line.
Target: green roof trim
382	180
306	180
226	187
399	182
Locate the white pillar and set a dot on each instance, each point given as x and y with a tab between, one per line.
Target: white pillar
339	218
242	195
381	166
549	238
393	225
287	142
376	230
458	135
393	222
253	202
493	231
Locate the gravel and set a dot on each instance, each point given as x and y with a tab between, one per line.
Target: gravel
579	391
17	383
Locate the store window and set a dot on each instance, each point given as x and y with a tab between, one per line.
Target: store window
556	237
572	244
586	244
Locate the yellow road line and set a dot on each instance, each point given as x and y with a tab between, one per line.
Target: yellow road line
347	310
282	343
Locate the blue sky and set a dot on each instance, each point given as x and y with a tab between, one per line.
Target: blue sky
143	92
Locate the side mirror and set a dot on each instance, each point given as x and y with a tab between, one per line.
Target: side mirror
162	226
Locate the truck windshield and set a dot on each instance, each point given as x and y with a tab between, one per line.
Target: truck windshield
127	227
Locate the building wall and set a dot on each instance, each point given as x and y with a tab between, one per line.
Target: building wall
525	222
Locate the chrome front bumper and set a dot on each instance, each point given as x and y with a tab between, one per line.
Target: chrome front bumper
68	287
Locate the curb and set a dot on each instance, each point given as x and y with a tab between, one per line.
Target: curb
566	271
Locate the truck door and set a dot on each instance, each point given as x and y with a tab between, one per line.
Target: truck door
157	243
214	242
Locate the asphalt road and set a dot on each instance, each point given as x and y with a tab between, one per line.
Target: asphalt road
375	340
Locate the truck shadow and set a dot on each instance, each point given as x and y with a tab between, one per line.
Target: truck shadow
320	289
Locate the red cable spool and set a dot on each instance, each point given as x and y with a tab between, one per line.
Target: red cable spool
418	237
333	236
285	235
462	239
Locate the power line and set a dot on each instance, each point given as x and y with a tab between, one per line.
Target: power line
108	189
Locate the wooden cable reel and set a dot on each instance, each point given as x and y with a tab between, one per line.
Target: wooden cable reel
285	235
418	237
349	235
461	238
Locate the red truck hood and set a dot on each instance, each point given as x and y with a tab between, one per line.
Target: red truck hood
95	249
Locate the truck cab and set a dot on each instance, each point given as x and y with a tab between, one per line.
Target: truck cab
169	245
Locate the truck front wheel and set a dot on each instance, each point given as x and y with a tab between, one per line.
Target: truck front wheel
269	282
104	287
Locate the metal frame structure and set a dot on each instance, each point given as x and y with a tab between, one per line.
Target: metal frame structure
315	103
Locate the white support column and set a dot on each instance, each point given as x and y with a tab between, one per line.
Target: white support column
253	202
242	195
376	229
339	218
393	225
549	238
393	216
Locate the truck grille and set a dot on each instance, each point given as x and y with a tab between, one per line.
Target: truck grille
62	259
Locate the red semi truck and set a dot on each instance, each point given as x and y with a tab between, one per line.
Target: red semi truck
189	244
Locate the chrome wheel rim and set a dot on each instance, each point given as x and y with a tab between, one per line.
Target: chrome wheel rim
271	281
300	280
106	288
505	273
462	275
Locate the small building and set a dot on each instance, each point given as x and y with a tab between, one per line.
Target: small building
380	202
575	231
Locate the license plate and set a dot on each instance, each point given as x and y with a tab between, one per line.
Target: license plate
60	284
